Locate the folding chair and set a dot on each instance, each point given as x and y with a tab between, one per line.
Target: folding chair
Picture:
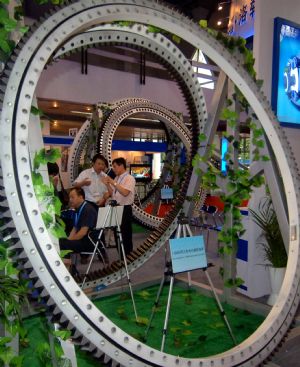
99	249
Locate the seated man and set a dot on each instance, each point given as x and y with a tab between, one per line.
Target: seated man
85	219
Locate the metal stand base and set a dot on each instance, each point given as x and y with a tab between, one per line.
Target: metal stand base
109	214
184	228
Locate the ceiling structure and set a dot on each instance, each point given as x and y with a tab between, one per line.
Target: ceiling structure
61	113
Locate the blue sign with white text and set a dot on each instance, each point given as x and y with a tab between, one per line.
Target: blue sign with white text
188	253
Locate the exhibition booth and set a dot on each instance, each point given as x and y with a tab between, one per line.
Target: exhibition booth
216	201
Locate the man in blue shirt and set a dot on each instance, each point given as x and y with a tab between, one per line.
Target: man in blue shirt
85	219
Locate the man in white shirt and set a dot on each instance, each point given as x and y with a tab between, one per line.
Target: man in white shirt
90	181
122	190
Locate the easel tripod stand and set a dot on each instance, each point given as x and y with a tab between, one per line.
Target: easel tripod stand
111	220
183	227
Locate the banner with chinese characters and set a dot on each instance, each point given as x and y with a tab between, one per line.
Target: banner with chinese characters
188	253
241	18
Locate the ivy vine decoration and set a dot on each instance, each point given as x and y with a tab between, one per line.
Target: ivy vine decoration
45	193
13	295
239	183
12	23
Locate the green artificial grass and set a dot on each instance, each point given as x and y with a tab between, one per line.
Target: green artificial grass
37	337
196	327
137	228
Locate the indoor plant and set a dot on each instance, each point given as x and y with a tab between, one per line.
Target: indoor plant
273	245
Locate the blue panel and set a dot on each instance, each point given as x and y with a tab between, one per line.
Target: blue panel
224	148
58	140
286	71
244	212
139	146
243	287
116	144
242	252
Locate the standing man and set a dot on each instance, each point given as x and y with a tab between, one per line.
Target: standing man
122	189
90	180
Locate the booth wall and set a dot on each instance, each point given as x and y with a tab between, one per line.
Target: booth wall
64	81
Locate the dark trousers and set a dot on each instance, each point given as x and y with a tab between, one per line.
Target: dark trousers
126	229
83	245
76	246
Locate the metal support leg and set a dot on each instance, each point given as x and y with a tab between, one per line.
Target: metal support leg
127	273
96	245
220	305
167	313
155	305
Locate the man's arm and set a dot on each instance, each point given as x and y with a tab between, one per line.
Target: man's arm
107	181
78	235
111	183
101	202
85	182
82	180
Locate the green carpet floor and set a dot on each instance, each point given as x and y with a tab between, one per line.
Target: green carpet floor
196	328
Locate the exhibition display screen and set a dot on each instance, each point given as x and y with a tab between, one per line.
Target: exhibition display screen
141	172
286	72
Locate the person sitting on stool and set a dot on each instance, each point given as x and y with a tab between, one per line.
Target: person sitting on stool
122	189
85	219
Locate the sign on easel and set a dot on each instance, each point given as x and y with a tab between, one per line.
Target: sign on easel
188	253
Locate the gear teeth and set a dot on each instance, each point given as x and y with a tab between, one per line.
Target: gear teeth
7	72
77	335
106	359
56	311
85	343
63	319
6	222
27	265
44	293
23	256
51	302
115	364
99	354
38	284
33	274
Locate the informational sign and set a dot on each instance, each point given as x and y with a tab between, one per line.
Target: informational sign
166	193
73	132
188	253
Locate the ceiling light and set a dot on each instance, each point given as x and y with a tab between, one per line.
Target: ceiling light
221	21
220	5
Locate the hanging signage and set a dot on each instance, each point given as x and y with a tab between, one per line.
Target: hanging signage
241	19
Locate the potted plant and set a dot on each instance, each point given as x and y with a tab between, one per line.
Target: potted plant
273	245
